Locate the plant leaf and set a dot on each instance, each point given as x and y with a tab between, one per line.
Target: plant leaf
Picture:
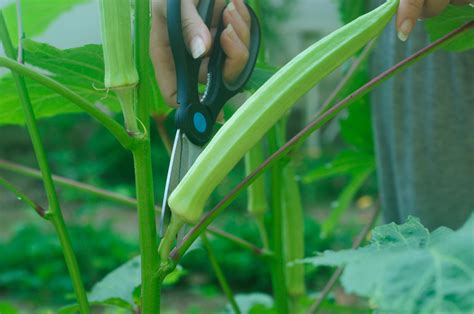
345	199
254	303
260	75
117	287
407	269
349	10
81	69
346	162
452	18
33	22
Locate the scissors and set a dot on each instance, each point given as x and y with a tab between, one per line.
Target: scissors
196	116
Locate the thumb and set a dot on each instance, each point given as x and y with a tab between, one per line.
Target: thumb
195	32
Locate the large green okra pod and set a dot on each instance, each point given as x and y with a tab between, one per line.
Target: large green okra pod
264	108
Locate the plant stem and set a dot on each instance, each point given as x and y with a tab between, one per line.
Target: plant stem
314	125
220	274
23	197
335	276
110	124
260	221
78	186
151	284
54	207
238	241
293	237
277	264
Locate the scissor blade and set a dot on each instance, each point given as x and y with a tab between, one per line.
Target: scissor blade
183	155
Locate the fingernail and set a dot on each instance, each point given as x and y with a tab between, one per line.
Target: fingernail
405	30
229	29
197	47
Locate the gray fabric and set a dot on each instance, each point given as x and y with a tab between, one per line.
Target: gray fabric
423	121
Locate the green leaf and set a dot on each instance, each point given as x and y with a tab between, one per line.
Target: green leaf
37	15
452	18
346	162
81	69
356	129
349	10
254	303
117	287
260	75
407	269
345	199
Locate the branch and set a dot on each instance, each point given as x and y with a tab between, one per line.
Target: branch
206	219
23	197
108	195
335	276
220	274
239	241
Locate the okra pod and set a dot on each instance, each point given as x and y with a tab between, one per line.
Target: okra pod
264	108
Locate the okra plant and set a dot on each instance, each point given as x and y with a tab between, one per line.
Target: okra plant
126	78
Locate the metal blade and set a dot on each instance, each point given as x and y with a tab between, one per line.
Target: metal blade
183	155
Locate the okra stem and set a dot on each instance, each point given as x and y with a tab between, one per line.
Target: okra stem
151	284
220	274
54	206
23	197
277	264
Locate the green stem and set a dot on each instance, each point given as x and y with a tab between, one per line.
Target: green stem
169	238
293	237
126	96
23	197
314	125
260	221
54	207
240	242
78	186
151	284
277	264
113	126
220	274
257	200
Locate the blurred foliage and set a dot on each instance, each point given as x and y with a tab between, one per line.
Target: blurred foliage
32	264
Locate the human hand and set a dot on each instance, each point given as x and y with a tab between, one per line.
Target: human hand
411	10
235	41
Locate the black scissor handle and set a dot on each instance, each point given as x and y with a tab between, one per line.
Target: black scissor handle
196	117
218	92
